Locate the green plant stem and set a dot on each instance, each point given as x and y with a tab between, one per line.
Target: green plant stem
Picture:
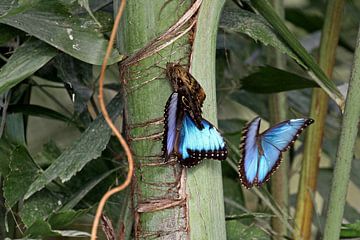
345	152
278	106
314	135
270	15
154	184
204	183
168	201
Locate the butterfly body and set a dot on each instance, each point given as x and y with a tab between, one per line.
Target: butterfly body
193	95
261	154
185	141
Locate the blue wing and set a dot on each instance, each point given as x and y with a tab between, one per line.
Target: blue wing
249	162
283	134
191	144
261	153
170	132
197	144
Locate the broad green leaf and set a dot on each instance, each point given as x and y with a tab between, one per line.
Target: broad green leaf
319	76
235	230
78	196
51	22
5	6
23	170
88	147
256	27
64	218
49	153
15	129
40	228
273	80
26	60
43	229
351	230
40	206
310	21
6	151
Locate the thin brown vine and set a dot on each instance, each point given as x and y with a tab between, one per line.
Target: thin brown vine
130	159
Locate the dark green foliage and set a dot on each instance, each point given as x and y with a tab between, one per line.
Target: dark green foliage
58	157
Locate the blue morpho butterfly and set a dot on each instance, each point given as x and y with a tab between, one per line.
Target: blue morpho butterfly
184	83
261	153
184	140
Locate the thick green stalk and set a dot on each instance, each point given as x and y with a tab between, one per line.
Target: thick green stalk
278	112
169	202
157	204
314	135
204	183
345	152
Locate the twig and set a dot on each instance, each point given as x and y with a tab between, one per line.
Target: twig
112	126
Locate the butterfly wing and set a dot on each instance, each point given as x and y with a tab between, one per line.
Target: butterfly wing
275	140
248	166
261	153
171	116
196	144
284	134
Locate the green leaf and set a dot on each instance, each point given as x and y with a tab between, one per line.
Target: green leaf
89	146
320	77
256	27
51	22
235	230
351	230
26	60
5	6
6	151
39	207
15	129
43	229
23	171
40	228
273	80
78	196
39	111
64	218
85	4
49	153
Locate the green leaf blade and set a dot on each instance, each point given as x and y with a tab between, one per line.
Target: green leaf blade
319	76
273	80
26	60
89	146
50	22
22	171
255	27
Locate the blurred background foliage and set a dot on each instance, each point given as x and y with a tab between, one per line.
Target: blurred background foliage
57	157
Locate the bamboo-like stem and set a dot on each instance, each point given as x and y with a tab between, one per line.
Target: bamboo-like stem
168	201
204	183
314	136
278	106
345	152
